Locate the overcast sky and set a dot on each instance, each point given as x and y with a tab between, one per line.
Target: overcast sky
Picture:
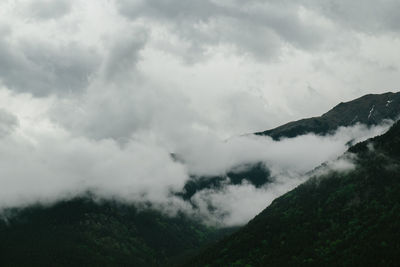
99	92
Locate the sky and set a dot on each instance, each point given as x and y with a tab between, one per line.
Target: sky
96	94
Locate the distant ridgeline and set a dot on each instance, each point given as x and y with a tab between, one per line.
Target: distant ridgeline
370	109
336	219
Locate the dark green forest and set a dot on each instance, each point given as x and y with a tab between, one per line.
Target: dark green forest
84	232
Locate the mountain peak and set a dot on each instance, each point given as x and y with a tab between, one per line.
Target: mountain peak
369	109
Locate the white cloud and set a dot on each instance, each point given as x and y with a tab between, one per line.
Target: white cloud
54	166
235	205
206	155
43	162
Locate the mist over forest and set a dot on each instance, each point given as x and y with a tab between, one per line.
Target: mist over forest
186	117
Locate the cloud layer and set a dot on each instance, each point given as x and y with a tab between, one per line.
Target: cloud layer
41	162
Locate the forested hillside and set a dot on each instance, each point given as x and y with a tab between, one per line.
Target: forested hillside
339	218
82	232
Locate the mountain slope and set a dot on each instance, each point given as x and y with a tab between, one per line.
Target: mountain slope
370	109
349	219
81	232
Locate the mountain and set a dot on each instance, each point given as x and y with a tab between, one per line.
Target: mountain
370	109
351	216
347	218
84	232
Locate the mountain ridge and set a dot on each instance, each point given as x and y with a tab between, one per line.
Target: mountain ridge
384	107
370	109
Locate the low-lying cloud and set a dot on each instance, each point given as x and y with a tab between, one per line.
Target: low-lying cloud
291	162
48	163
207	156
52	166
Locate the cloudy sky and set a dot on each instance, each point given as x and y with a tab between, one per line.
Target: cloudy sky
96	94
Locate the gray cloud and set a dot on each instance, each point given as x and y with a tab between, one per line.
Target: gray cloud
42	68
367	16
168	9
123	55
136	109
258	28
263	28
8	123
47	9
